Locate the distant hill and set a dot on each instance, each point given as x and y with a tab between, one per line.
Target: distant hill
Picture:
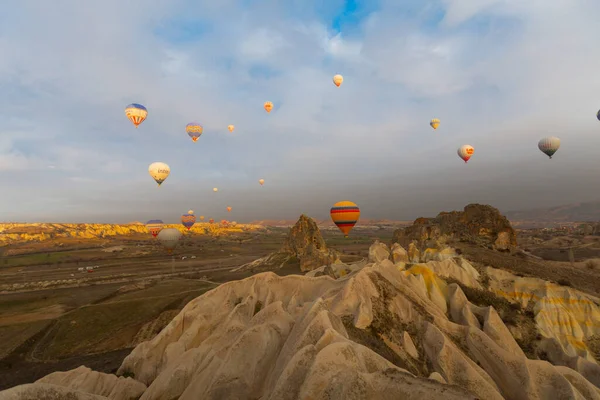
576	212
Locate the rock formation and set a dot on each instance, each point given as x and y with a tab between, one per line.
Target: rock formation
18	233
478	224
304	246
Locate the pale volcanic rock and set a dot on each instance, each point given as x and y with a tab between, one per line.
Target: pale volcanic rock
399	254
378	252
85	380
45	391
414	254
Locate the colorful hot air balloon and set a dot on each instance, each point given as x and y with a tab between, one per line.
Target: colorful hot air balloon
337	80
136	113
154	226
261	181
268	106
345	214
169	238
202	218
188	220
194	130
435	123
228	209
215	190
549	145
159	171
211	221
465	152
231	128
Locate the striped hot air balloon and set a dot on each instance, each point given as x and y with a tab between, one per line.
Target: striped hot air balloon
434	123
194	130
549	145
188	220
136	113
154	226
345	215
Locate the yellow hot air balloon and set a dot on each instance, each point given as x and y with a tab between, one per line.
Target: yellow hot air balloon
268	106
136	113
261	181
231	128
159	171
345	215
435	123
337	80
202	218
215	190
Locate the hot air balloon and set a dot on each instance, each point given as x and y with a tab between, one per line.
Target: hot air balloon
215	190
159	171
202	218
211	221
598	115
337	80
136	113
154	226
188	220
169	238
228	209
261	181
345	214
268	106
231	128
194	130
435	123
549	145
465	152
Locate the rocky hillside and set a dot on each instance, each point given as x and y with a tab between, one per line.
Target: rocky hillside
303	246
19	233
426	325
477	224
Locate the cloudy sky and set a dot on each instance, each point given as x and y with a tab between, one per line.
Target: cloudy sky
500	74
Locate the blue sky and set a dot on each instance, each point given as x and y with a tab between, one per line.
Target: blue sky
500	74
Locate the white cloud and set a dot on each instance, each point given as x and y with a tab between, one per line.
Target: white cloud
66	76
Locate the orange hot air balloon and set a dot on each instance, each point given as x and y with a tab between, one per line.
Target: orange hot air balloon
268	106
228	209
261	181
345	215
211	221
337	80
202	218
231	128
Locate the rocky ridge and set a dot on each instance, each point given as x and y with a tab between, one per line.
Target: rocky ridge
19	233
304	245
477	224
422	325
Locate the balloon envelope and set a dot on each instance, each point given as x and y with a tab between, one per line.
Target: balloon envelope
337	80
465	152
188	220
159	171
194	130
268	106
435	123
549	145
202	218
169	238
344	215
154	226
261	181
231	128
598	115
228	209
215	189
136	113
